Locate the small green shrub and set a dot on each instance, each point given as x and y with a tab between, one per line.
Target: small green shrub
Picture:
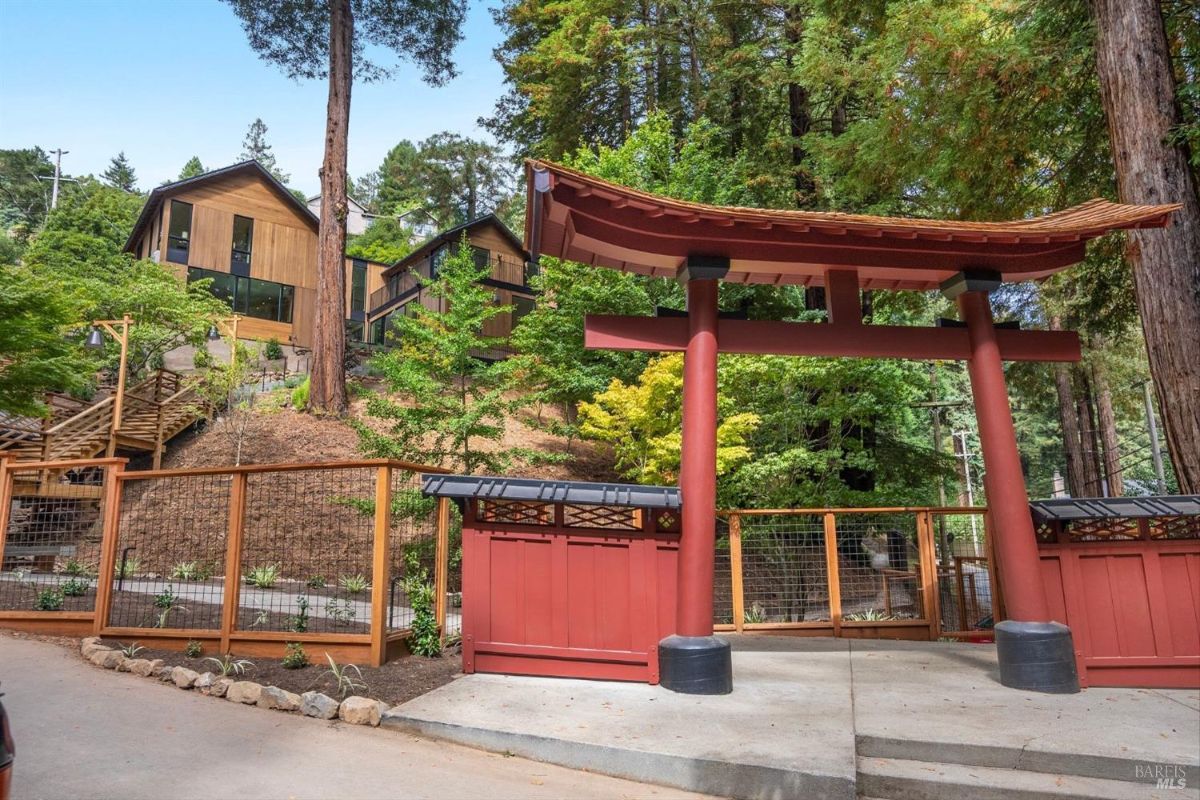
426	639
298	622
188	571
755	613
49	600
272	350
346	682
75	587
202	359
264	577
354	583
300	396
131	650
870	615
193	649
165	602
78	568
227	665
128	568
316	582
292	381
295	657
340	611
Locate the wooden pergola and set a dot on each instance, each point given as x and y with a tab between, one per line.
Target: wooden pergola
582	218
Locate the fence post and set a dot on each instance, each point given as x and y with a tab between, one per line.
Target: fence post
930	587
831	571
441	570
379	565
108	546
5	501
233	558
735	571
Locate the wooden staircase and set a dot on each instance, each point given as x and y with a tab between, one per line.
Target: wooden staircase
154	411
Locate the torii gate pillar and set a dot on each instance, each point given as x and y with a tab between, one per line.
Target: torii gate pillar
695	661
1033	652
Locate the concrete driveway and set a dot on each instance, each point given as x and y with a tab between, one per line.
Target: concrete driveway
83	732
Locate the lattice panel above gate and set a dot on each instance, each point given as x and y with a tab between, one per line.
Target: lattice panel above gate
1175	528
517	512
1103	530
615	518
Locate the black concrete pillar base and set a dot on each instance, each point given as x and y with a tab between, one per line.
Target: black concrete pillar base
695	665
1036	656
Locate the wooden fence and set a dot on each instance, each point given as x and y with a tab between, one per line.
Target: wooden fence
242	559
903	572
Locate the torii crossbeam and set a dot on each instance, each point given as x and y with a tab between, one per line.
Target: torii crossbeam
578	217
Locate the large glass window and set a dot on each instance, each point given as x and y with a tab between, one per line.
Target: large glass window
243	238
249	296
179	232
358	285
520	307
481	256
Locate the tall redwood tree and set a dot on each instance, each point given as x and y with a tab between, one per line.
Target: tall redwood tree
328	39
1138	91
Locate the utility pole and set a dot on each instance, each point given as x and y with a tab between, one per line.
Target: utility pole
960	439
936	407
58	154
1155	452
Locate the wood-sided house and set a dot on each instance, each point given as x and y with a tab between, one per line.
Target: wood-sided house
257	241
493	244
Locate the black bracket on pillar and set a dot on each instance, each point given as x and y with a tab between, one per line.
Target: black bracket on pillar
703	268
971	280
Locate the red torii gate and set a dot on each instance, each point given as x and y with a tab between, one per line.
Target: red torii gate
582	218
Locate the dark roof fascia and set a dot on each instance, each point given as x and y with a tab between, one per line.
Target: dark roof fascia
422	250
491	487
1067	509
161	193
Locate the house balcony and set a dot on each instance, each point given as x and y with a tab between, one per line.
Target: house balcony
505	273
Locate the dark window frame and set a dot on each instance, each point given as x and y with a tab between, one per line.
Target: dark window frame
242	266
239	302
176	253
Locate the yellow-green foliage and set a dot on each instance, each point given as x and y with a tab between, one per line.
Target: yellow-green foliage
642	421
300	396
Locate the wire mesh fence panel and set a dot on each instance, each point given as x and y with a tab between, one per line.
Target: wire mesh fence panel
964	574
879	572
52	541
784	571
722	577
307	549
170	567
413	553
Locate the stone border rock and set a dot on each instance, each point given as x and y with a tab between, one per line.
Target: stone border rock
354	710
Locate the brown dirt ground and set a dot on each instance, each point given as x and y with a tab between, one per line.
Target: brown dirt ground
394	683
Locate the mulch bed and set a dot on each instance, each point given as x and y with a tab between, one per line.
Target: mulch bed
23	597
394	683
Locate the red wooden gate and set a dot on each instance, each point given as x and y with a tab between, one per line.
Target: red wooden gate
1130	591
558	587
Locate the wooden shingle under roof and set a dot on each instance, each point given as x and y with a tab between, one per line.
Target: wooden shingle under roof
583	218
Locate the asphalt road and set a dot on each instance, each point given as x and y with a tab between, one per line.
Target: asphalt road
82	732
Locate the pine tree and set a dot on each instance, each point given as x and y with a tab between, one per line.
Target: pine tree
192	168
119	174
255	148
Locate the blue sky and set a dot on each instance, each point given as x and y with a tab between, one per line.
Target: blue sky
164	80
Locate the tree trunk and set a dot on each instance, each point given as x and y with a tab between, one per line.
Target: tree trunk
1108	433
1069	419
327	388
1087	443
799	113
1138	91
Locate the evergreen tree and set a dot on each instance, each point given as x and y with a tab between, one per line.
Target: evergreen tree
192	168
444	401
119	174
255	148
330	40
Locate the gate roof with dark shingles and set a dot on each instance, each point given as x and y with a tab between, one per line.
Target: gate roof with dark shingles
490	487
1180	505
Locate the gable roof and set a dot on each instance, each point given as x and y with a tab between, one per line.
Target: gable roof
166	191
451	234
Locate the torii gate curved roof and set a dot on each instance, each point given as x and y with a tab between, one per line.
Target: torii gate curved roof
582	218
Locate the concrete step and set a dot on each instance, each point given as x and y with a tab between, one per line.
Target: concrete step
1028	758
900	779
